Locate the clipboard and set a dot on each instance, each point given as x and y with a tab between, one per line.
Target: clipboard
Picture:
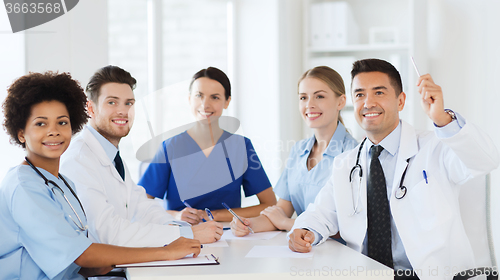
186	261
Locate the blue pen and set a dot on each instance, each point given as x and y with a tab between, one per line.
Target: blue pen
236	216
187	205
425	177
209	214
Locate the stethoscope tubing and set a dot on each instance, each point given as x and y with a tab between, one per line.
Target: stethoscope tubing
47	181
401	189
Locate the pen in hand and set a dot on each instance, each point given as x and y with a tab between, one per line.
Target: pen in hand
189	206
209	214
236	216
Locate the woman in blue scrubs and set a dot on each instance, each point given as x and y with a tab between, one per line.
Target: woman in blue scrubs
43	227
309	165
206	165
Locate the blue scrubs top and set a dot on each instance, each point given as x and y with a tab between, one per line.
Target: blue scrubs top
38	238
180	171
299	185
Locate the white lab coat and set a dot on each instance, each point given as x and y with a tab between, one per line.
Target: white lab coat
428	217
118	212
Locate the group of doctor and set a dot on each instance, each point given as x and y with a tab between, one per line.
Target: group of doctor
393	197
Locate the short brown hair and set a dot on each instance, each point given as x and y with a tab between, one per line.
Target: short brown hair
378	65
108	74
36	88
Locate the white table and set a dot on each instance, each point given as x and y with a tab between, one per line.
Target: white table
331	260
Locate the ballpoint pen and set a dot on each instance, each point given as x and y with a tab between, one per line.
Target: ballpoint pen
209	214
187	205
211	217
236	216
425	176
415	65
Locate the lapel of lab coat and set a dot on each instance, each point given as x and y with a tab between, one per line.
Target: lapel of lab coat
100	154
408	148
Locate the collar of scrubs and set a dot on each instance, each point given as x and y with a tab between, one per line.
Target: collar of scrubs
335	147
390	143
190	149
109	148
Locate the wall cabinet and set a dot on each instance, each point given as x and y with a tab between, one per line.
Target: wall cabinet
337	33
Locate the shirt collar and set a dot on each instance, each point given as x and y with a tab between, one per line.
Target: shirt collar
335	147
391	142
109	148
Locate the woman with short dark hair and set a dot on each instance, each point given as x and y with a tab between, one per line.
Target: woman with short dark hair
206	165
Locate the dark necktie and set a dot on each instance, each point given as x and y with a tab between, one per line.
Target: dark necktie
119	165
379	216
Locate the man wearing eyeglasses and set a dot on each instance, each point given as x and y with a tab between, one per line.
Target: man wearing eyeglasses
118	211
394	198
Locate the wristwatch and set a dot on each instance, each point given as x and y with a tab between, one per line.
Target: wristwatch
451	113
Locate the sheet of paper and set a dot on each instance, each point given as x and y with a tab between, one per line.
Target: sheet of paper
276	252
220	243
253	236
188	260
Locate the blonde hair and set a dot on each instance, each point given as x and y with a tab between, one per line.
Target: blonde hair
329	77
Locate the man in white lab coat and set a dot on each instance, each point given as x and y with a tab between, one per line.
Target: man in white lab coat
118	211
421	231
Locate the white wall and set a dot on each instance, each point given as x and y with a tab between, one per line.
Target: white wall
464	59
12	60
75	42
268	51
290	70
256	81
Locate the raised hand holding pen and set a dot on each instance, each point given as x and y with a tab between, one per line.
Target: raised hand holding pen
432	100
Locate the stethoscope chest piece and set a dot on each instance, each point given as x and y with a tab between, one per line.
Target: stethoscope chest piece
400	192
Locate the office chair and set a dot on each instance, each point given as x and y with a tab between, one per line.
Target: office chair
475	201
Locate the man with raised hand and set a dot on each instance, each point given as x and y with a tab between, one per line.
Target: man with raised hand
394	198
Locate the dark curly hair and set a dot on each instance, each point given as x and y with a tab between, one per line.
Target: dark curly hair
35	88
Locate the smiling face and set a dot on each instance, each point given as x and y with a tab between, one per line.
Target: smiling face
113	116
207	99
376	104
47	133
319	105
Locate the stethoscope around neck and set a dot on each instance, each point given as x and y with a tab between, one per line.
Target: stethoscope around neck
399	194
79	224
